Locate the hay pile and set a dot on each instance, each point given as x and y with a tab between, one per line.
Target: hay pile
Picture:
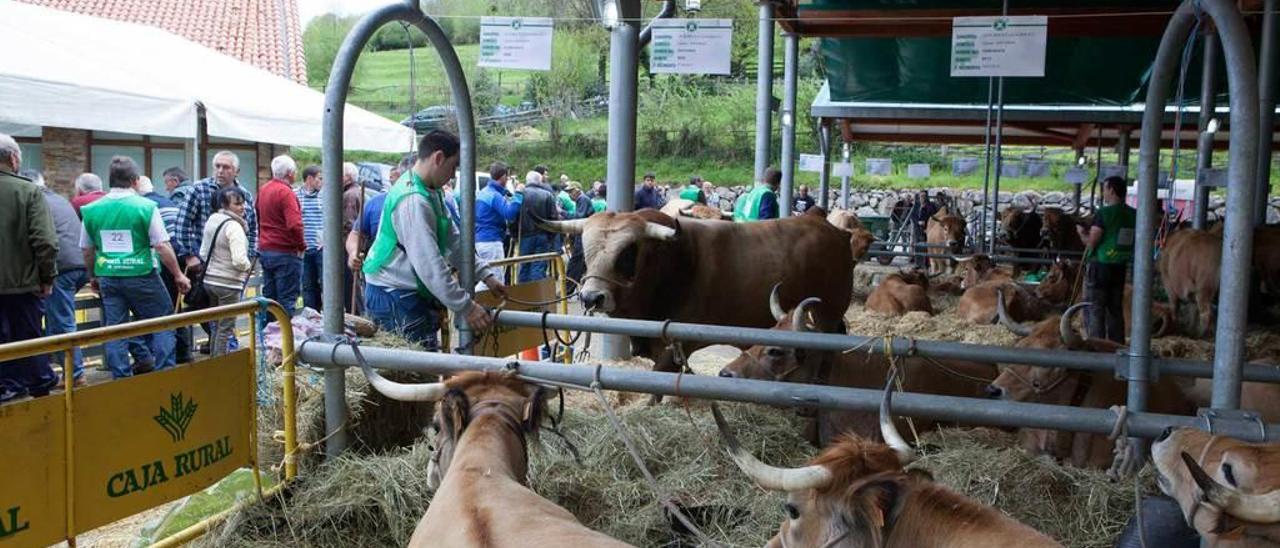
945	326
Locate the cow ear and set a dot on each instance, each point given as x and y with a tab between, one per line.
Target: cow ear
658	217
455	409
881	501
920	474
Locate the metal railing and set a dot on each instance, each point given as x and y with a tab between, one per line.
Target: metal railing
68	341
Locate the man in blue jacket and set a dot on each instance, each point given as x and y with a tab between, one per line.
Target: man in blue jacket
495	210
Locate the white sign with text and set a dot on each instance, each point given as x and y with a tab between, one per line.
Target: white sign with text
691	46
516	43
999	46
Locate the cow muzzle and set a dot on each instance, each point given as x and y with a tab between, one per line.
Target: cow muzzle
596	299
994	392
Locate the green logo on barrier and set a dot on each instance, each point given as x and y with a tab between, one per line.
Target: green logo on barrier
177	417
691	26
11	524
516	24
1001	24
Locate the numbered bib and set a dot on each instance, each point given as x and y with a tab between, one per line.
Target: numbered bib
1125	238
117	241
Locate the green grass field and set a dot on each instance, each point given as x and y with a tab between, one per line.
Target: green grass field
382	80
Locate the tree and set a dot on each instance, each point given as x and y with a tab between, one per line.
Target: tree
321	41
572	75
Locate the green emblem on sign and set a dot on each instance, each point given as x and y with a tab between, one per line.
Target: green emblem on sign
11	524
1001	24
516	24
691	26
177	417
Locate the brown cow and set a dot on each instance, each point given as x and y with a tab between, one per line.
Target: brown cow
480	466
860	369
901	292
706	213
1059	230
980	268
1079	388
860	238
1266	260
1189	267
1022	230
1228	490
646	265
982	303
947	229
1059	287
858	493
844	219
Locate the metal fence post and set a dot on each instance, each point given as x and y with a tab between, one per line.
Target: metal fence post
824	176
764	88
1204	150
844	179
621	169
790	57
1266	109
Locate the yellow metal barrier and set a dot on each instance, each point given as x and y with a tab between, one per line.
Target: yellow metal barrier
68	341
558	272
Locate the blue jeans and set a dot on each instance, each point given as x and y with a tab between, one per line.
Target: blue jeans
60	312
281	274
19	321
144	297
531	244
312	267
405	312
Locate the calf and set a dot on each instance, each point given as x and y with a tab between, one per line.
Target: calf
1229	490
480	464
1189	267
901	292
947	229
858	492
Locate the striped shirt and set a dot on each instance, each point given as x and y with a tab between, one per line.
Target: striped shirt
312	216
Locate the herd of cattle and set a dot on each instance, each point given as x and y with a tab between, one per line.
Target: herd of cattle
797	274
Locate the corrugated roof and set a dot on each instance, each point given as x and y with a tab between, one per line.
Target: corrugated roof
263	33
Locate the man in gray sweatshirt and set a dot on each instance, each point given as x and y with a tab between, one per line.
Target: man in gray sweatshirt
407	271
60	305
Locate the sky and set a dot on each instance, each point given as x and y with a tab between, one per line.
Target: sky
308	9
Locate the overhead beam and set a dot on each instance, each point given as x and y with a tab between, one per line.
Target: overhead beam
1063	22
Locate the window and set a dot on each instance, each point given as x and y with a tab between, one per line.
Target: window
101	159
164	158
31	156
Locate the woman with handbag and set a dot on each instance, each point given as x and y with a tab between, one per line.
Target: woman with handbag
225	248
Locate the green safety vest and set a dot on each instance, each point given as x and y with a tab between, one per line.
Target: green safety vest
599	204
1116	246
567	204
747	207
690	193
386	243
120	231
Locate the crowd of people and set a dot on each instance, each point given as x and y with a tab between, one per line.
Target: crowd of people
150	252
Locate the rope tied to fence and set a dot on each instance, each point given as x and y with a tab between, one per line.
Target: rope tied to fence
896	372
1124	462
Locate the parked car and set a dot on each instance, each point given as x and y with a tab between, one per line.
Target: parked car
526	106
503	110
432	118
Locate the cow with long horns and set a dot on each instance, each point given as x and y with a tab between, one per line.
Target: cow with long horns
1227	489
480	464
856	370
859	493
646	265
1058	386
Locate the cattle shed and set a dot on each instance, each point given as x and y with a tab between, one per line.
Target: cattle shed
1145	39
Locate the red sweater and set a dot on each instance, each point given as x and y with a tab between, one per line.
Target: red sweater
279	219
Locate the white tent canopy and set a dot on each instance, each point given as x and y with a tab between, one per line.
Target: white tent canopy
68	70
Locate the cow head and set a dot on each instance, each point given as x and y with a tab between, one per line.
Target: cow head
945	228
914	276
1055	220
467	398
976	269
1047	384
847	492
621	249
776	363
860	242
1012	220
1058	283
1224	486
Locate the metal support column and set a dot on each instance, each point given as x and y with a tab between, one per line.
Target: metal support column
1237	249
764	89
1266	109
995	183
1123	147
621	168
332	148
824	176
791	58
1204	149
844	179
986	176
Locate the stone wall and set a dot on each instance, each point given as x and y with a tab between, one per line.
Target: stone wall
65	154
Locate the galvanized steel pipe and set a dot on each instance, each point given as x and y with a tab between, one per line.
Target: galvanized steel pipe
824	176
901	346
844	179
1266	108
790	60
621	169
967	410
764	88
1204	147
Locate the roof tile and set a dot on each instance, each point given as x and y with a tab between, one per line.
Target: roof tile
263	33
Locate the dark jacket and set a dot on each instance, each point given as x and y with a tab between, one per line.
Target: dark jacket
648	197
28	241
67	224
584	206
540	203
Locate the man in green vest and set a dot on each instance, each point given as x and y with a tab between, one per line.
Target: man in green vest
761	202
601	200
1110	244
123	235
407	271
693	191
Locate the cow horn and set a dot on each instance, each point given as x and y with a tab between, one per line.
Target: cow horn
769	477
1164	326
574	226
686	212
963	259
656	231
1008	323
775	305
798	314
1264	508
725	215
402	392
889	431
1068	333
